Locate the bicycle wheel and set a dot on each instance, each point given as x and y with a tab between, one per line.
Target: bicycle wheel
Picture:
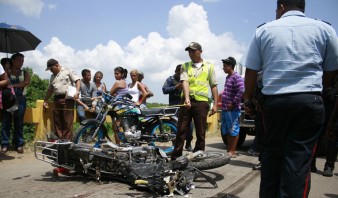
85	132
170	128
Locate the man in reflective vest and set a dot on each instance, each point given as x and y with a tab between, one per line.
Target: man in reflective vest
195	77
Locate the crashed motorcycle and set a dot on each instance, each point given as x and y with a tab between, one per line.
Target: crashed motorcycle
146	166
156	127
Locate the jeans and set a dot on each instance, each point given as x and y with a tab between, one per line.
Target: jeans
17	116
81	113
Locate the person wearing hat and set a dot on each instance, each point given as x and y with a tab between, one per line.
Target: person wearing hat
197	75
19	80
63	113
231	104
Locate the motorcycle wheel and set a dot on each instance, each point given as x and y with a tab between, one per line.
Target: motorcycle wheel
210	160
84	134
169	127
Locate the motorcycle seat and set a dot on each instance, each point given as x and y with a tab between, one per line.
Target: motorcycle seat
169	111
154	111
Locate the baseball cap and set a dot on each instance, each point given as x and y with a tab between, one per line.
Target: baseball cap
230	60
50	63
194	46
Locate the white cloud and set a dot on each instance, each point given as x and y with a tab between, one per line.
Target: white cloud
154	55
30	8
52	6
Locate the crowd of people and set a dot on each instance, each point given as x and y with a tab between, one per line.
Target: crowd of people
290	78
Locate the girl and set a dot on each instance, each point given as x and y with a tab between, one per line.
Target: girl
118	89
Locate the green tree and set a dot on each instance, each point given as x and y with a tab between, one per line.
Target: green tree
36	89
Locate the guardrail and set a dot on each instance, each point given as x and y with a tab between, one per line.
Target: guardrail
43	118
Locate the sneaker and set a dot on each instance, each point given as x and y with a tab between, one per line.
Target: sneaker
328	171
257	166
19	149
252	152
4	150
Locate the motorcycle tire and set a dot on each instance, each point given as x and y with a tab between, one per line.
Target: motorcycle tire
210	160
170	127
84	134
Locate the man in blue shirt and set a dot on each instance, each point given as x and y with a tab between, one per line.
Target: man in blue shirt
299	58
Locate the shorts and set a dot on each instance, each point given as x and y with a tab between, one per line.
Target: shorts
230	122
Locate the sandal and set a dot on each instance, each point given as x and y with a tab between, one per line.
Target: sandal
232	155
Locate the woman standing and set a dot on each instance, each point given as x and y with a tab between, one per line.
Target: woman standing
118	89
19	79
136	89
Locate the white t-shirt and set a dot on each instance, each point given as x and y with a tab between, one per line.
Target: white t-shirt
2	71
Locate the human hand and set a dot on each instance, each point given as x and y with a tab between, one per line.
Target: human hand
76	95
230	106
45	105
92	109
179	86
187	103
249	107
213	110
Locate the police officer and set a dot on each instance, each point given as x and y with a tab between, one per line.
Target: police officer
63	113
298	58
196	76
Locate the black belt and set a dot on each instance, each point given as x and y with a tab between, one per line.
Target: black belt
293	94
61	96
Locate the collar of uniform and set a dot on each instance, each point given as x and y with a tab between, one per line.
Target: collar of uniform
293	13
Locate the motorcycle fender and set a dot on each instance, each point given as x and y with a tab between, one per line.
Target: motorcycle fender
88	121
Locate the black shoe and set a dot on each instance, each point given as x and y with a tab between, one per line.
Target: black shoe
313	169
188	147
328	171
257	166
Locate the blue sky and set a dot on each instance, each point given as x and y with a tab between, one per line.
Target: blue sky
149	35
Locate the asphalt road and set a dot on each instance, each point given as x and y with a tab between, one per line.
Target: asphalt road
24	176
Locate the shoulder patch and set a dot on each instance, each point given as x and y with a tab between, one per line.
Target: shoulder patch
324	21
261	25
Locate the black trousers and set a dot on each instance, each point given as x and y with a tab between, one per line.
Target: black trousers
293	123
198	112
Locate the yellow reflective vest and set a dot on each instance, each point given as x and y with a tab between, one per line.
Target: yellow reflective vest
198	85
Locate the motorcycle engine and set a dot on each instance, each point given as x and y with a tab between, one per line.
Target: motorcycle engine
130	132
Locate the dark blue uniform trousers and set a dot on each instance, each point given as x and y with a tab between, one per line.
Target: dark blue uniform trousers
293	123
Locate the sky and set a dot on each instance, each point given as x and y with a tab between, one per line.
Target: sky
147	35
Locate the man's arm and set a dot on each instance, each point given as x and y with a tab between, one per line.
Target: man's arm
328	78
214	92
48	95
78	87
185	85
249	83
